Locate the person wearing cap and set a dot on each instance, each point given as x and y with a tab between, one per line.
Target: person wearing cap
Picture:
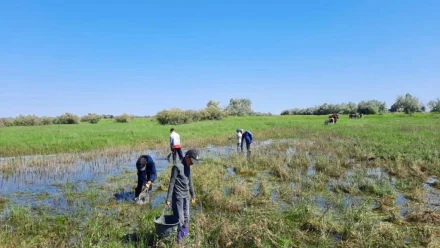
238	139
248	137
146	172
180	190
175	145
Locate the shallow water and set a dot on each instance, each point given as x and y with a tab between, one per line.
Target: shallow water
49	186
46	185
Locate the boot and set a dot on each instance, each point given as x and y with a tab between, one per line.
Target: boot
185	231
180	236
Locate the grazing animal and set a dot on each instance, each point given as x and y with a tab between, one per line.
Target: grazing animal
354	116
335	118
330	120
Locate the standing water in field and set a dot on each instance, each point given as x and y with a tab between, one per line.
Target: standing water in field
66	182
53	180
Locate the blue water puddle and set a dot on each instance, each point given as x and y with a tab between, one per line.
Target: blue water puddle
432	197
402	202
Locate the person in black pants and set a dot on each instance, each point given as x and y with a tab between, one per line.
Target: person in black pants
146	172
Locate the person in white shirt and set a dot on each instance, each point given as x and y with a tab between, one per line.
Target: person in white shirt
238	139
175	145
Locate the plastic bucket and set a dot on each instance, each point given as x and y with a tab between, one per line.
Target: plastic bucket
166	225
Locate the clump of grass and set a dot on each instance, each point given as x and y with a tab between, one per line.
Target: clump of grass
331	168
298	160
376	187
424	216
281	172
245	171
3	202
404	167
435	184
339	186
239	190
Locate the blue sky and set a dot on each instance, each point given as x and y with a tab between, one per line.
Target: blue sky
141	57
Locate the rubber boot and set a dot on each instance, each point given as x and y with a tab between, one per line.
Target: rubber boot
180	236
185	231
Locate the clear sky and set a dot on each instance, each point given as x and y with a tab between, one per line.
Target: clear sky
143	56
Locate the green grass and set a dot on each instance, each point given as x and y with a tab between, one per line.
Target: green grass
387	135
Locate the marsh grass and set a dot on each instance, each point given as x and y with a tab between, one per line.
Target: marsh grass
319	186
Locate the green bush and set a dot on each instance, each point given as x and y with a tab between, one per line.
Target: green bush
46	120
6	122
214	113
408	104
239	107
66	118
124	118
178	116
365	107
434	105
26	120
174	116
92	118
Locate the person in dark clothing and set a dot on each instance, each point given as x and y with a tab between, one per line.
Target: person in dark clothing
146	172
248	137
180	190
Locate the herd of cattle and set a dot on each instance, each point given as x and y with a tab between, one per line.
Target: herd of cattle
334	118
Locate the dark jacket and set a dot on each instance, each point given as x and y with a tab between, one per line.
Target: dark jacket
247	136
181	185
148	172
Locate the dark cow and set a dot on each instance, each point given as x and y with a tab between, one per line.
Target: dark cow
356	116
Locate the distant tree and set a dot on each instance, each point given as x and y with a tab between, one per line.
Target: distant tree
45	120
67	118
372	107
6	122
26	120
92	118
408	104
214	113
123	118
213	103
351	108
434	105
240	107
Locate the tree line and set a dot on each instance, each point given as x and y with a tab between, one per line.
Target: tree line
236	107
67	118
407	104
213	111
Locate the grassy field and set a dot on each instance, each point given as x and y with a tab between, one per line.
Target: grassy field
397	132
359	183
